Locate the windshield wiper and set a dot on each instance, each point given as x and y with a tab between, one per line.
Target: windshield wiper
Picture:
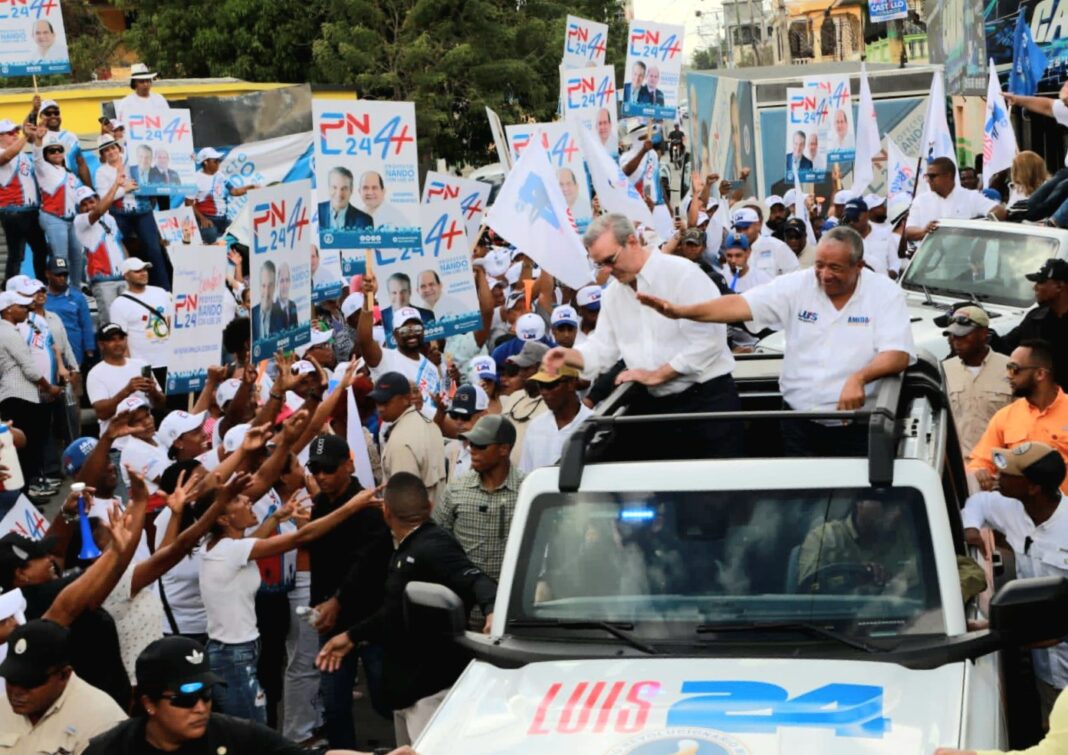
616	629
792	626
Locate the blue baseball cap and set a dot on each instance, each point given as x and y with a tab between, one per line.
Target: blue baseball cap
828	224
76	453
736	240
992	194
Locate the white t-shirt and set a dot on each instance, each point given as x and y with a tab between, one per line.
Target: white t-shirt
880	251
137	619
181	585
146	459
960	204
1060	114
824	345
753	277
228	585
106	380
104	252
421	372
544	441
133	104
772	256
147	333
99	510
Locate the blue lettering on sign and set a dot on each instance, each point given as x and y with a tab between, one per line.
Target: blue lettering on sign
535	200
851	710
806	316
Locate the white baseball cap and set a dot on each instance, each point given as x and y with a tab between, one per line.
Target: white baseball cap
134	264
226	391
29	286
131	404
897	205
235	436
11	298
588	296
773	200
302	367
209	153
496	262
789	197
15	282
7	126
178	423
484	368
744	217
13	603
82	193
47	104
530	327
353	303
873	200
842	196
564	314
52	139
406	314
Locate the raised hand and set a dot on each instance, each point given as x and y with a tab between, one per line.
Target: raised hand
366	498
183	491
666	308
256	438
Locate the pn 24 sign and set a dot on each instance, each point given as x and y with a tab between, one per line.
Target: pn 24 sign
283	226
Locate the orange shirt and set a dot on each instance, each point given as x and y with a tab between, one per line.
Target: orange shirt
1019	422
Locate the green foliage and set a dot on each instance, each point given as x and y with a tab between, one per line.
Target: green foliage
89	44
706	59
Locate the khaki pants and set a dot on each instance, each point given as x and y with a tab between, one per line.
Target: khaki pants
408	723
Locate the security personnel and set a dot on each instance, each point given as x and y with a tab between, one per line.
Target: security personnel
48	708
846	328
412	443
1049	320
418	669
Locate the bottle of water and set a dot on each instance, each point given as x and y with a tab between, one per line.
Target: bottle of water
9	458
310	614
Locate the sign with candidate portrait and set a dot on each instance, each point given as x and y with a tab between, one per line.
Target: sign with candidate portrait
326	278
834	116
567	162
806	152
178	226
435	277
32	38
473	197
280	268
654	65
366	174
199	290
159	153
584	43
589	94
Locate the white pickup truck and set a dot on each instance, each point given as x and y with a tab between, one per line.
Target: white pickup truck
726	606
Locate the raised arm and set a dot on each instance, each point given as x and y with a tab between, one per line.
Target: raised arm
372	352
272	546
726	309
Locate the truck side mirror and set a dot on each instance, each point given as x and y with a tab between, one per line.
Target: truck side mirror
1026	611
433	610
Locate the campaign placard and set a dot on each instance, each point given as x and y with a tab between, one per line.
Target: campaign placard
280	268
178	226
589	94
366	174
881	11
24	519
159	153
654	64
834	116
199	289
473	197
32	38
326	278
584	43
806	152
436	277
567	162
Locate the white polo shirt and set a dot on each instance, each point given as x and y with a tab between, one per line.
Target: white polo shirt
772	256
544	441
960	204
824	345
1041	551
880	251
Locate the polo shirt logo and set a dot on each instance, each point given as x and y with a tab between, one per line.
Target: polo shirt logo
805	315
858	320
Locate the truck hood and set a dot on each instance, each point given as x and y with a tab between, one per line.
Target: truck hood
699	706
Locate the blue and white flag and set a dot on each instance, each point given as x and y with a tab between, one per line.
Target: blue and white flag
1029	63
937	139
900	170
614	190
867	143
999	140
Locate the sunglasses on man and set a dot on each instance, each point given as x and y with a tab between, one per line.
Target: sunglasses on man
316	467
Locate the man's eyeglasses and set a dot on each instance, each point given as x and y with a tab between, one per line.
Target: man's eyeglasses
318	468
1012	368
410	330
189	699
962	320
50	112
607	261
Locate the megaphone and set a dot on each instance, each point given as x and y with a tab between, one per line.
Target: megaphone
89	550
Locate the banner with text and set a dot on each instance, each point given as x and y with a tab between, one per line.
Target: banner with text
584	43
654	64
366	174
589	95
280	268
159	153
834	116
881	11
32	38
196	336
806	152
472	195
564	154
178	226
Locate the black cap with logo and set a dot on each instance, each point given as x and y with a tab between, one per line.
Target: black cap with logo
34	650
174	664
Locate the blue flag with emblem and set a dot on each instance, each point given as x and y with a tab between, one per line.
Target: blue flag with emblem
1029	63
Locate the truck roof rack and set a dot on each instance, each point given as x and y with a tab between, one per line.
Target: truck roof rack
592	441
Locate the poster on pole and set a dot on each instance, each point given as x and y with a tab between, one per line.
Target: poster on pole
472	195
159	153
178	226
806	153
24	519
503	155
32	38
834	111
881	11
366	174
567	162
654	64
584	43
326	278
589	94
435	278
280	268
196	336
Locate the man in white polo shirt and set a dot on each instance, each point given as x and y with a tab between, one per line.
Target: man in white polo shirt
846	328
766	252
1027	509
946	201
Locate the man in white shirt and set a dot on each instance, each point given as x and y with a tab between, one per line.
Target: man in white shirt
547	434
880	247
142	99
681	366
144	312
946	201
846	329
373	195
1027	509
117	377
741	276
767	253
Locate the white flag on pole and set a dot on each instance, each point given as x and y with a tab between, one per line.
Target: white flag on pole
614	190
900	170
361	458
999	140
531	212
937	139
867	143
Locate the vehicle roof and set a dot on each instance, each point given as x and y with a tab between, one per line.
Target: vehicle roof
1019	229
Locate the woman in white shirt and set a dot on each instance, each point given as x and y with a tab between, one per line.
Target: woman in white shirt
228	583
58	203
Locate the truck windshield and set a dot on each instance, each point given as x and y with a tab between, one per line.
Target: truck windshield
671	564
960	263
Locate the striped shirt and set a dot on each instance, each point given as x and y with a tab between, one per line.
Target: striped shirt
18	370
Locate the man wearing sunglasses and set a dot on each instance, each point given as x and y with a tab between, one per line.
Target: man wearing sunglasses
51	119
946	201
1049	320
1039	413
49	708
412	443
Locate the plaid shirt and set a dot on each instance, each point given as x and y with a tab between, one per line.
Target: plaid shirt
18	372
480	519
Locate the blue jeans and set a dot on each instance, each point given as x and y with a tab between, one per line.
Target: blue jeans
22	227
1048	198
335	688
211	234
241	696
143	226
59	234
